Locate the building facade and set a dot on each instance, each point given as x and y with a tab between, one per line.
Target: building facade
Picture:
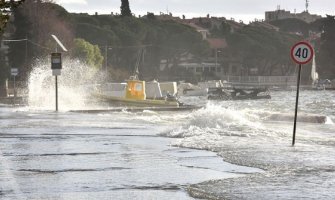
283	14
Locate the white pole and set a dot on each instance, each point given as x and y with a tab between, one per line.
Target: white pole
14	91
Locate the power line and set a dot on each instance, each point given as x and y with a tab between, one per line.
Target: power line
19	40
36	44
128	47
27	40
142	46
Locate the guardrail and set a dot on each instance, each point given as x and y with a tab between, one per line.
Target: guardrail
262	80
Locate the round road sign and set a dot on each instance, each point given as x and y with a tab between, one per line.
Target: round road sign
302	53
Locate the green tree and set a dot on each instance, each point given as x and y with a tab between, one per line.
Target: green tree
87	53
261	48
220	31
125	9
30	22
6	8
325	57
293	26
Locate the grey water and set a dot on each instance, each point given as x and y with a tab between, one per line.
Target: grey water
171	155
50	155
225	150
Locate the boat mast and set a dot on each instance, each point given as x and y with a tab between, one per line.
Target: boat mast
140	57
314	74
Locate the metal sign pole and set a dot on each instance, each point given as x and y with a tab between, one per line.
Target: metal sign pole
56	84
296	105
301	53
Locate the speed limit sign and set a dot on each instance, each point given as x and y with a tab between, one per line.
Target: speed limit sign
302	53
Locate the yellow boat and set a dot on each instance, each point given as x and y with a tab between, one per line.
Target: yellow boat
133	92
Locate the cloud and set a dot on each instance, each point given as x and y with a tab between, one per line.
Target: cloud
83	2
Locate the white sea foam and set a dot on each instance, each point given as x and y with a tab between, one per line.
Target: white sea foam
215	121
72	91
329	121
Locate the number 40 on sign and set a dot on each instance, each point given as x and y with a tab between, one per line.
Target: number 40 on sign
302	53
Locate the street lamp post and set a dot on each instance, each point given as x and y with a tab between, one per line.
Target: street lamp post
216	58
106	56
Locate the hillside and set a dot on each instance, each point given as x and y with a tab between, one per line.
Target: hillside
122	39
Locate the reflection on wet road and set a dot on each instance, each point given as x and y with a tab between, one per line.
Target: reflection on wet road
79	156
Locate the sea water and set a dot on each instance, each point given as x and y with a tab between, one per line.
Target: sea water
226	149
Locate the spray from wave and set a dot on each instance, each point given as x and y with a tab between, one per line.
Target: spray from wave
217	120
73	85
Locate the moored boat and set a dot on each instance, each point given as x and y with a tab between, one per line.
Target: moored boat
136	93
233	93
201	89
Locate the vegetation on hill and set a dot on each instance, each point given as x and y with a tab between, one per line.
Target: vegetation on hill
125	9
86	52
325	55
261	48
119	38
124	41
36	21
293	26
324	46
6	8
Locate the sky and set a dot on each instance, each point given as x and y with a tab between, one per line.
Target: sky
245	10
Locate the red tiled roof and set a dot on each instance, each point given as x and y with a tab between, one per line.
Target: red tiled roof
217	43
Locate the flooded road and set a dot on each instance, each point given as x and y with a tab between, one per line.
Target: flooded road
171	155
49	155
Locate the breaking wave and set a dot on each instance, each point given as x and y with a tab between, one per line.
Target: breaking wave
73	85
217	120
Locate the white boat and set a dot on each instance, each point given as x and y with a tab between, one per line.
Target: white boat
317	83
201	89
137	93
314	74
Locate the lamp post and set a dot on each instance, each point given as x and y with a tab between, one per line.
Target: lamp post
216	58
106	47
106	56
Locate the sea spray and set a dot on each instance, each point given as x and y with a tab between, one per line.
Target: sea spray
217	120
73	85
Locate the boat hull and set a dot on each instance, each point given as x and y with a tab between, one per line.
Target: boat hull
137	102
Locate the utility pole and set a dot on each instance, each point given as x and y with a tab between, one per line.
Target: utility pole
26	51
106	57
216	58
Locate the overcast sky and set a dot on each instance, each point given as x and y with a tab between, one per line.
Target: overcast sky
246	10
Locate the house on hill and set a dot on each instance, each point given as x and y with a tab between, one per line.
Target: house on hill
283	14
263	24
212	66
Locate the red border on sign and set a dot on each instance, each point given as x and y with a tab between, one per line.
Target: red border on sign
309	46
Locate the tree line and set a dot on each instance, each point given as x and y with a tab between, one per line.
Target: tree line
115	41
111	41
